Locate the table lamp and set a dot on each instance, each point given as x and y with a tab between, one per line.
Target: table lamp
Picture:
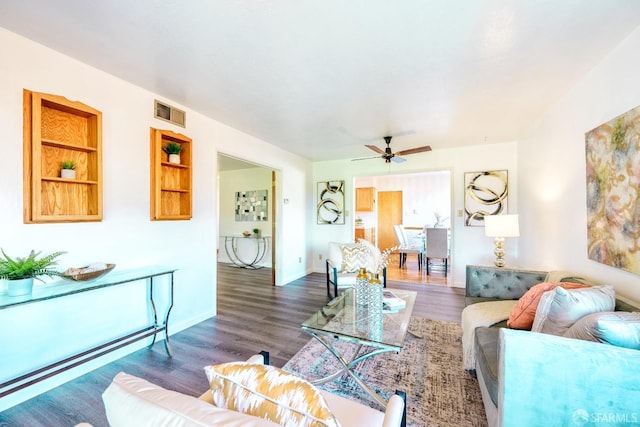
499	227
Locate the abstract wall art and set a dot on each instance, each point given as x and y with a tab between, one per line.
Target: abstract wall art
485	193
613	192
252	205
330	207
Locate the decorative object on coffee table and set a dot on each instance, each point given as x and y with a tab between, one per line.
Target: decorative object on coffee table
362	287
374	292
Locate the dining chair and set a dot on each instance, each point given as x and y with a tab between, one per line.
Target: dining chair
437	247
404	247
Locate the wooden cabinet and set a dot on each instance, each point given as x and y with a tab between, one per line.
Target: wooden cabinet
365	199
170	182
366	233
56	130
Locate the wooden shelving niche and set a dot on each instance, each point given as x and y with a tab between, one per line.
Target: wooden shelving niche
170	182
55	130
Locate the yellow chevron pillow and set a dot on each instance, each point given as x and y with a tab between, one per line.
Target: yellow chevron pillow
268	392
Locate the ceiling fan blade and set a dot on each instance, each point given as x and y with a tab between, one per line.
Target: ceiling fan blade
414	150
374	148
366	158
396	159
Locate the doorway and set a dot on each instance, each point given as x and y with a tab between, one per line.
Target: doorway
240	178
413	200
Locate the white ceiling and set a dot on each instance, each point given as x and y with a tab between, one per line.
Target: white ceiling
323	78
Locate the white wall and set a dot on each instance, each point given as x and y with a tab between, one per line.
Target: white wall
230	182
469	244
552	169
126	236
423	194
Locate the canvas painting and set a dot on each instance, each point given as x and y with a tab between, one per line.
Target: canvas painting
485	193
330	207
613	186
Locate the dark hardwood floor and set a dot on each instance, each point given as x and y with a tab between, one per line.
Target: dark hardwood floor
252	316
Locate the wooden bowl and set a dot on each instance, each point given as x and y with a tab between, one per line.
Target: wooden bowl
85	277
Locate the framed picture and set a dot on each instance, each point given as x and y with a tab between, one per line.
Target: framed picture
485	193
252	205
330	207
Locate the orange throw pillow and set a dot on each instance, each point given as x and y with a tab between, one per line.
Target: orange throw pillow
522	315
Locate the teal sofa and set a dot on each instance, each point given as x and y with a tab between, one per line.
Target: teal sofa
535	379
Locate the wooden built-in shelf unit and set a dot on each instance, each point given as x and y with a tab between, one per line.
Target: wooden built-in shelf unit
170	182
55	130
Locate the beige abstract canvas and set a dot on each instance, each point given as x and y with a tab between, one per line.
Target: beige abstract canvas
613	187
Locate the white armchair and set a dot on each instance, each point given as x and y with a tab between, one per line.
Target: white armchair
337	277
131	401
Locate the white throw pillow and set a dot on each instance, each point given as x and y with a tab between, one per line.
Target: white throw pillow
560	308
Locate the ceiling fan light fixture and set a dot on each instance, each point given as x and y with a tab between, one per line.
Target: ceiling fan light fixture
389	155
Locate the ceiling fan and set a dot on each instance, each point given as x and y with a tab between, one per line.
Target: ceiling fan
390	156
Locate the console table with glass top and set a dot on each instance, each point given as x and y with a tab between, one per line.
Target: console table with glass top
62	289
253	262
341	319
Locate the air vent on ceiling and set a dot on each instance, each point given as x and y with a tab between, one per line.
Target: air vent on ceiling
171	114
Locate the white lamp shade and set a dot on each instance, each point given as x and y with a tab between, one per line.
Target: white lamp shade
501	226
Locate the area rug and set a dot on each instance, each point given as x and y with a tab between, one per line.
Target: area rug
439	391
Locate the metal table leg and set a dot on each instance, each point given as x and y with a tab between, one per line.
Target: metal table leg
348	366
163	327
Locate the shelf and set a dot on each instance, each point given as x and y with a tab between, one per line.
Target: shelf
59	144
174	165
175	190
70	181
171	183
56	129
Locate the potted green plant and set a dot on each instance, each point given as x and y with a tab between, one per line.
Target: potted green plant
19	272
68	169
256	232
173	149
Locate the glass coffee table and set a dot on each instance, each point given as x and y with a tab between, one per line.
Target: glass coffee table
341	319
